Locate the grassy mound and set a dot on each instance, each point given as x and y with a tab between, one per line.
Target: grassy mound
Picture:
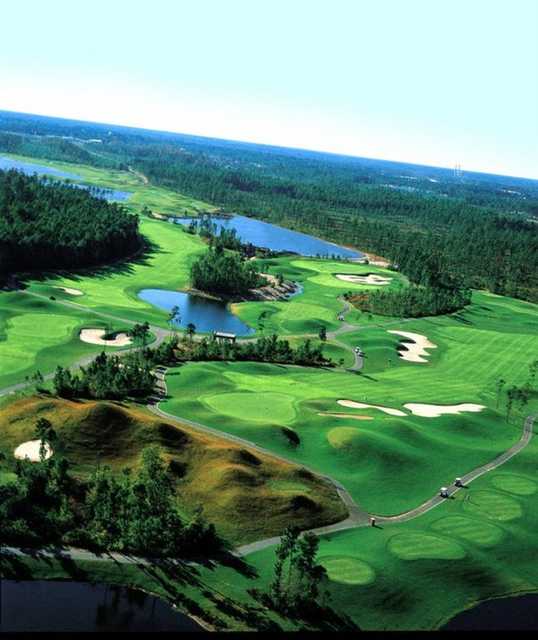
253	406
417	546
515	484
247	495
347	570
469	529
494	505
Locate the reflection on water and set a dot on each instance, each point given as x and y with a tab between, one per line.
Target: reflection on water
78	606
270	236
206	315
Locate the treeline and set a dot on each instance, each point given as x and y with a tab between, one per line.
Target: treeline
109	377
481	229
264	349
224	273
135	512
412	302
48	225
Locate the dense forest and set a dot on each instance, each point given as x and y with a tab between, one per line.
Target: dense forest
477	228
48	225
224	273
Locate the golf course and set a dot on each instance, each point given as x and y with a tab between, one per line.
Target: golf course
263	446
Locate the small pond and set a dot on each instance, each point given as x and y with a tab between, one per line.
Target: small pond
81	607
206	315
275	238
507	614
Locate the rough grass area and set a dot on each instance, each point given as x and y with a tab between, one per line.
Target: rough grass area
248	496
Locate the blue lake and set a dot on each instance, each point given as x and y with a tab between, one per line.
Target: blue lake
80	607
270	236
206	315
519	613
30	169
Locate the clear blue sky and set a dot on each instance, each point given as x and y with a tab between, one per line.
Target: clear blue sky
426	81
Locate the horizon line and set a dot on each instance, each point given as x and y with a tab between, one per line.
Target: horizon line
263	144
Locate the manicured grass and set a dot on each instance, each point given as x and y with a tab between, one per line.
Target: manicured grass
318	305
419	574
114	289
37	334
388	464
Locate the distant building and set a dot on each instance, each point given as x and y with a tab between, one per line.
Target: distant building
225	337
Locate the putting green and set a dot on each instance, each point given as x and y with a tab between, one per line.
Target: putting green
418	546
343	437
347	570
258	407
24	342
469	529
493	505
514	484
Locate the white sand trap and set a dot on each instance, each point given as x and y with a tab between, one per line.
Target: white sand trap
349	404
436	411
96	336
345	416
71	292
30	451
415	350
371	279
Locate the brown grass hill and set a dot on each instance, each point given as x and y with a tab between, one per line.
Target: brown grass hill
247	495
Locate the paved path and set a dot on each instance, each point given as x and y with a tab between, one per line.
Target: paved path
467	479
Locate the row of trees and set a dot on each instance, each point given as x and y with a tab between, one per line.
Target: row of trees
134	512
48	225
412	302
264	349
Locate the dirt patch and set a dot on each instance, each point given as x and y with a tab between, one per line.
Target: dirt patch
71	292
347	416
30	451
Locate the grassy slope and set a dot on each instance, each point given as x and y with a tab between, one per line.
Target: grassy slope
247	496
37	334
318	305
388	464
419	574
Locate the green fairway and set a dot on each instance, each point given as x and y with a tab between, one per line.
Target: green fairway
389	464
419	574
114	289
318	305
37	334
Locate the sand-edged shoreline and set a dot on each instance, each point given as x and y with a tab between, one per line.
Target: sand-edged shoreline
30	451
416	349
96	336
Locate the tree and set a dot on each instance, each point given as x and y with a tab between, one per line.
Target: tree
191	331
323	334
174	318
500	386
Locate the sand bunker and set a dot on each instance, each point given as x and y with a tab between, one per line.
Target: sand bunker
349	404
371	279
346	416
96	336
436	411
415	350
71	292
30	451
